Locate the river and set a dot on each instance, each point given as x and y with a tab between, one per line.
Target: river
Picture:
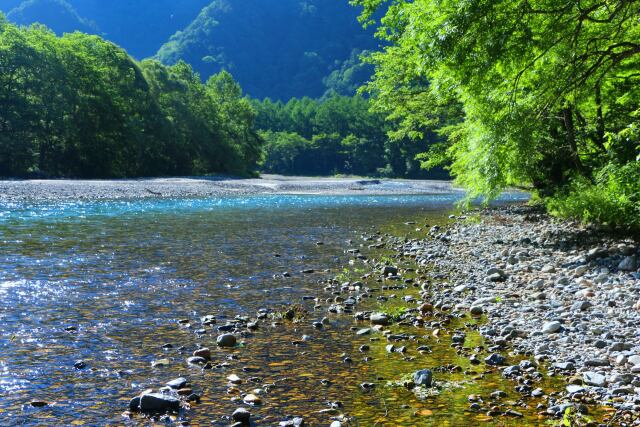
110	283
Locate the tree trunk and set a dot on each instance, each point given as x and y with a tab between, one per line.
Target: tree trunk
570	129
600	117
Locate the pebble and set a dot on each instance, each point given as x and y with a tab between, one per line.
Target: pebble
241	415
423	378
252	399
226	340
551	327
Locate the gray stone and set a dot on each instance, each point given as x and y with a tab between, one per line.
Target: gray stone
226	340
296	422
423	378
178	383
634	359
572	388
476	310
564	366
596	253
596	362
581	306
380	319
628	264
594	379
495	359
241	415
551	327
156	402
196	360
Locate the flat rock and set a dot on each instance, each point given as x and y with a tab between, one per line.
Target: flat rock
156	402
595	379
178	383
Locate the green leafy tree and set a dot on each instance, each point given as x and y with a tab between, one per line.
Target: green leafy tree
545	87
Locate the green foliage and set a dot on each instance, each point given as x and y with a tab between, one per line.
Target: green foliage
613	199
78	106
538	93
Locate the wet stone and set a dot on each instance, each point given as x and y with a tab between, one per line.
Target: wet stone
156	402
423	378
296	422
226	340
178	383
495	359
241	415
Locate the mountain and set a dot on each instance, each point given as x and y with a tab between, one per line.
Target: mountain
274	48
140	26
58	15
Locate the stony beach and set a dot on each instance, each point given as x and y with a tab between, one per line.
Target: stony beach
72	190
551	299
566	297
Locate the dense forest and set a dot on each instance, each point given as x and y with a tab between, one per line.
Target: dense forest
335	135
79	106
548	93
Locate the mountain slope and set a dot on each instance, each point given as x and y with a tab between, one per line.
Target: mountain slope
278	49
140	26
59	15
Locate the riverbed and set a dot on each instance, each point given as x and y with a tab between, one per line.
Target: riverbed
123	286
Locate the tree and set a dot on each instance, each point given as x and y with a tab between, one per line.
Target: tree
544	85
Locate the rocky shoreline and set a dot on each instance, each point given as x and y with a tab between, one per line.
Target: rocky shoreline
556	304
214	186
566	296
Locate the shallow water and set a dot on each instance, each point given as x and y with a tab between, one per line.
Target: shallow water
124	272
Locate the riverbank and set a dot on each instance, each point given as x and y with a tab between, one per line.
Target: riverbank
564	297
27	190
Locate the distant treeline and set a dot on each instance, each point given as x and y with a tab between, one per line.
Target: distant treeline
78	106
336	135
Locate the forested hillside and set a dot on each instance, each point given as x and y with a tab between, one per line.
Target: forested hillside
79	106
140	26
58	15
280	49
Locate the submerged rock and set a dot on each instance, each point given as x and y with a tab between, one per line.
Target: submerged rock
226	340
156	402
423	378
178	383
241	415
380	319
